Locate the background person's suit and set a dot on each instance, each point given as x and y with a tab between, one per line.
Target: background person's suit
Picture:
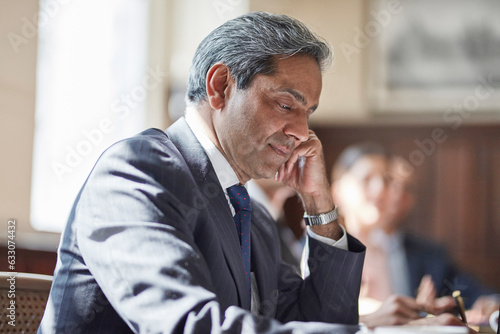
425	257
151	245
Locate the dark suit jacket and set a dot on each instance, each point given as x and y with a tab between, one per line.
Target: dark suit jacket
151	246
428	258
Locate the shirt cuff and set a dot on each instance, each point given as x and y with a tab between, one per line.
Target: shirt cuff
341	243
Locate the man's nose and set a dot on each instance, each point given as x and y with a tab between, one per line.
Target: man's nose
298	128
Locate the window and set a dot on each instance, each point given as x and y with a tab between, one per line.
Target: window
92	83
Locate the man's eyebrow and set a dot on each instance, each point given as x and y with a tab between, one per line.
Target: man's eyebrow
297	96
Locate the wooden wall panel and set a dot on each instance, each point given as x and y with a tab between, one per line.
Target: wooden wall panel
30	261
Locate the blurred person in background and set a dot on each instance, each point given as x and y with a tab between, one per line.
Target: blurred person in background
362	188
421	260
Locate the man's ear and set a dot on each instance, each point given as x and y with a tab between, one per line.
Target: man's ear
218	80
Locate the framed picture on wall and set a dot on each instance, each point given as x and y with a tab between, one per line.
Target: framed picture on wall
435	56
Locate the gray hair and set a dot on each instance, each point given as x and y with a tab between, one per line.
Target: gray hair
249	45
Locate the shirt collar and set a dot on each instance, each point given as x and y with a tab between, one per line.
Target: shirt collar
225	173
389	242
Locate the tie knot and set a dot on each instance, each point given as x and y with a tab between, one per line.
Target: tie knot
239	198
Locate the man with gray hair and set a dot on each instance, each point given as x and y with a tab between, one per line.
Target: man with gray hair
163	237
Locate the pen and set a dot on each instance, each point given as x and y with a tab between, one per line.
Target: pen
460	305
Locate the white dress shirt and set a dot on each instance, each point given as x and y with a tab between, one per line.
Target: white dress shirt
396	259
225	173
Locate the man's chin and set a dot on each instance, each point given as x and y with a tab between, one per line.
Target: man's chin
269	173
266	176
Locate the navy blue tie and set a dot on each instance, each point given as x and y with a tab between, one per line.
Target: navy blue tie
240	200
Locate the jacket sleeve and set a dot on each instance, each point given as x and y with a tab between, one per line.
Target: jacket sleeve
330	293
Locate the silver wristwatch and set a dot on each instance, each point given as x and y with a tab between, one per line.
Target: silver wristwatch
322	218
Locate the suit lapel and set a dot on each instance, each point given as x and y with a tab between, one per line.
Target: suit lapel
218	207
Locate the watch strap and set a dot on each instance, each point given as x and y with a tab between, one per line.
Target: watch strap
322	218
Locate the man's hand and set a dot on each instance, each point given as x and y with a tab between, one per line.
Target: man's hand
305	172
426	298
426	291
395	310
400	310
482	309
